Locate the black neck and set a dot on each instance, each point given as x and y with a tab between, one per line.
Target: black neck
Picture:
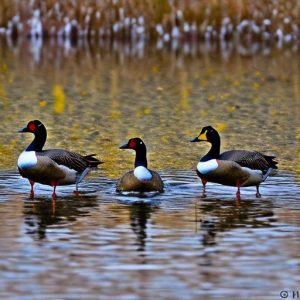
214	151
39	140
141	158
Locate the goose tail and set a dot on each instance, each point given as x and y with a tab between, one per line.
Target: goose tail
271	161
93	161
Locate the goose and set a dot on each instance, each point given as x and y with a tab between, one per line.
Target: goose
53	166
141	179
238	168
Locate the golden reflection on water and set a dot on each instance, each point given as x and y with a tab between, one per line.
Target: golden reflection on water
92	101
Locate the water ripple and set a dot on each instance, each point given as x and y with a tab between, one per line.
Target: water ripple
176	242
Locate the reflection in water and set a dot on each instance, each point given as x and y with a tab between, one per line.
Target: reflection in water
140	213
222	215
140	49
231	216
209	233
140	245
41	214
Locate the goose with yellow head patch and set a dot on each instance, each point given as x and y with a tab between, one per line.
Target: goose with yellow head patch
238	168
141	179
53	166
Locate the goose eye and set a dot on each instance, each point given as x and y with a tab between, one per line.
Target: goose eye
141	143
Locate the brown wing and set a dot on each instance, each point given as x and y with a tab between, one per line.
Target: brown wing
69	159
45	171
157	182
250	159
128	182
228	172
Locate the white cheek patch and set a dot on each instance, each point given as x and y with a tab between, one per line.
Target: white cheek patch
205	167
142	173
27	159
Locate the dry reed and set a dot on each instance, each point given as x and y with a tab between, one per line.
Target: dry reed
152	19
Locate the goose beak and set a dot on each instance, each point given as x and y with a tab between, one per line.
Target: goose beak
23	130
125	146
195	140
201	138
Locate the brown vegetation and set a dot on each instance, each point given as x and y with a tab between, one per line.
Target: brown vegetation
158	19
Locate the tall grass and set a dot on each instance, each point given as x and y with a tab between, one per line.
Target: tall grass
152	19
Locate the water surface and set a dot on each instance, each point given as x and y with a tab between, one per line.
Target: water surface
177	244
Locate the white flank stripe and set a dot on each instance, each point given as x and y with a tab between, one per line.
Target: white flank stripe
142	173
27	159
205	167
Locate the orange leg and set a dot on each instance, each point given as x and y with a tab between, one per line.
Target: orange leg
31	190
238	193
258	194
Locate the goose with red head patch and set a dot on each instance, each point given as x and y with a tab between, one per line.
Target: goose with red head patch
53	166
233	168
141	179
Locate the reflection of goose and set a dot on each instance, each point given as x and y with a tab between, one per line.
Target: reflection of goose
225	216
234	168
42	214
220	216
141	179
54	166
139	215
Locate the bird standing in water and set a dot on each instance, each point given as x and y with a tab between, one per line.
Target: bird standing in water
53	166
238	168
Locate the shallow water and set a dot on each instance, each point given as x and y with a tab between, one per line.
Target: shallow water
177	245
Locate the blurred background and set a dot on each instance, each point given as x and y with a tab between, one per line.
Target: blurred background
153	19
